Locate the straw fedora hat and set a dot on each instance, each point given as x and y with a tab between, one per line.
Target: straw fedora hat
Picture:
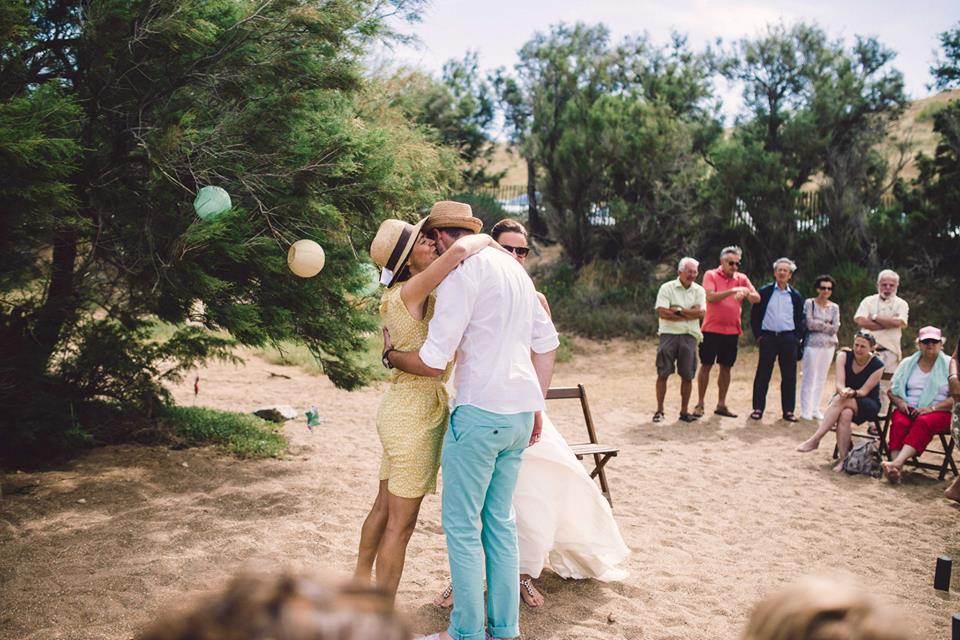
392	246
448	213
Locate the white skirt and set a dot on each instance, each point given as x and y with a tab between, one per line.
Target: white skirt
562	518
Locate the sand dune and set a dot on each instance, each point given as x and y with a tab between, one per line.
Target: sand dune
717	514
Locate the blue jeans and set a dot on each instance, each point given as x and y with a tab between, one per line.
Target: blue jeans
481	459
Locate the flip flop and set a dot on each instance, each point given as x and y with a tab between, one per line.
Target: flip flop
790	417
698	411
658	416
756	414
726	413
688	417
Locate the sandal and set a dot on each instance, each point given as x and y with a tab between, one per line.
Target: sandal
688	417
445	599
698	411
789	416
527	585
756	414
658	416
726	413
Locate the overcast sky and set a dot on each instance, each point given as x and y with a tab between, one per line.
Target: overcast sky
498	28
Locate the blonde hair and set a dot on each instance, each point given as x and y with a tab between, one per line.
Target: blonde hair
285	606
820	609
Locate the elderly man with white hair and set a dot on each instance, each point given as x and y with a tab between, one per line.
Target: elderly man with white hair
885	315
680	305
780	328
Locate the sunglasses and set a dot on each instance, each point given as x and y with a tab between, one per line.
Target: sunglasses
520	251
825	288
733	264
930	341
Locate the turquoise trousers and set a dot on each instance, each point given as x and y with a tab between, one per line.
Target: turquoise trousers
481	459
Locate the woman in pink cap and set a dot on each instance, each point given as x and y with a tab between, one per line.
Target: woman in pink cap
920	394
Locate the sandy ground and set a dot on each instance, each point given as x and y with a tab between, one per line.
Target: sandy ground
717	513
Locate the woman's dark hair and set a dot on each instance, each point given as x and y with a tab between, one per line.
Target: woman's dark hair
507	225
825	278
869	337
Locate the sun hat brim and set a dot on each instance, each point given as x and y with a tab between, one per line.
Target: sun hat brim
400	255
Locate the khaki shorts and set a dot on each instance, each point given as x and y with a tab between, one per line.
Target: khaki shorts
677	353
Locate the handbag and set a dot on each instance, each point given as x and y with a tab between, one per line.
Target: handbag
863	459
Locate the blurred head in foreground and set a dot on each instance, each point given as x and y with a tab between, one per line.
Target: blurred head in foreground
820	609
285	607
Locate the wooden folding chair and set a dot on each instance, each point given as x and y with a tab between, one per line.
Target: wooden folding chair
601	453
947	446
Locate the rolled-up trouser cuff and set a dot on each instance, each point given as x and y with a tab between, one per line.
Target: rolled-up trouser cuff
481	635
505	632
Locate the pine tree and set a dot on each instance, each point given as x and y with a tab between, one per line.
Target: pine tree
113	113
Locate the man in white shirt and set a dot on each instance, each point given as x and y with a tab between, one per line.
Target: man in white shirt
885	315
488	315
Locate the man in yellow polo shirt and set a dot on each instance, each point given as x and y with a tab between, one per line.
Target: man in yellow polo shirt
680	305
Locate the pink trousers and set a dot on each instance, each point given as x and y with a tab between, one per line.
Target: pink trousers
917	432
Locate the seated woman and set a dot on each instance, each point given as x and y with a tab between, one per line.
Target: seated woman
920	392
858	395
953	491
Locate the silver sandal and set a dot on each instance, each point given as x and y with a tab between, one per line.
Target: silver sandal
528	587
446	593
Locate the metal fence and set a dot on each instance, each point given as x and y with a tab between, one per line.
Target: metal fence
808	212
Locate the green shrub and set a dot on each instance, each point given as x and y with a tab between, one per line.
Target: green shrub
244	435
298	355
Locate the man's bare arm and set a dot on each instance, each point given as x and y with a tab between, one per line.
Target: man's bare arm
410	362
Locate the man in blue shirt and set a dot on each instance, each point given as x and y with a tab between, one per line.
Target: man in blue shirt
779	327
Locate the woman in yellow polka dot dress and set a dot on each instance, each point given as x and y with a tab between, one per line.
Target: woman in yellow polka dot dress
413	414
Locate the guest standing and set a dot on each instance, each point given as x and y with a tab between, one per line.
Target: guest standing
885	315
726	288
823	322
779	327
680	305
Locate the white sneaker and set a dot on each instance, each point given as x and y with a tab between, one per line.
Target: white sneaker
817	415
804	416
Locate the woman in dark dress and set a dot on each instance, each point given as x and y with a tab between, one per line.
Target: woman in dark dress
858	395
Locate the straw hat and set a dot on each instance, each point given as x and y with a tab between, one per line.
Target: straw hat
447	213
392	246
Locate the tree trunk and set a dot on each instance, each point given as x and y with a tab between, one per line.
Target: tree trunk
535	223
59	306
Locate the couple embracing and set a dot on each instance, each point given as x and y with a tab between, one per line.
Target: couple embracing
484	312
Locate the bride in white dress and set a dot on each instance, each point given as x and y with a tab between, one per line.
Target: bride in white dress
563	520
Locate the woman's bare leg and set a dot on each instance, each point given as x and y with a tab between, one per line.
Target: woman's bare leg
401	522
953	491
844	439
830	417
370	534
894	468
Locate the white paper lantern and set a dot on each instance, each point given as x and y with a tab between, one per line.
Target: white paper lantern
211	202
305	258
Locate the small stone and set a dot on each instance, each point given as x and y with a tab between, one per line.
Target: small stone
82	501
184	465
610	618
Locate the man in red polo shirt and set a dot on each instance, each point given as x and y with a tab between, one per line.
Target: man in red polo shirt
726	289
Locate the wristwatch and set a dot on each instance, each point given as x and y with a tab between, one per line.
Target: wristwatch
386	358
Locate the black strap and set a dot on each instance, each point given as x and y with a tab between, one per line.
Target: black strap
400	246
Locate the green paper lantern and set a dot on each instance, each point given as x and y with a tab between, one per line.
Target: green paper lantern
211	202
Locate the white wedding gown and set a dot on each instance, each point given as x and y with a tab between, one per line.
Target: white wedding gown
562	518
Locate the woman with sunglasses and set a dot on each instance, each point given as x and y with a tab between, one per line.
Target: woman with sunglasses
858	395
561	514
920	391
823	322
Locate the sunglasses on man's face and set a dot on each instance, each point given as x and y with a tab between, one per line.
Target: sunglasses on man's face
733	264
520	251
